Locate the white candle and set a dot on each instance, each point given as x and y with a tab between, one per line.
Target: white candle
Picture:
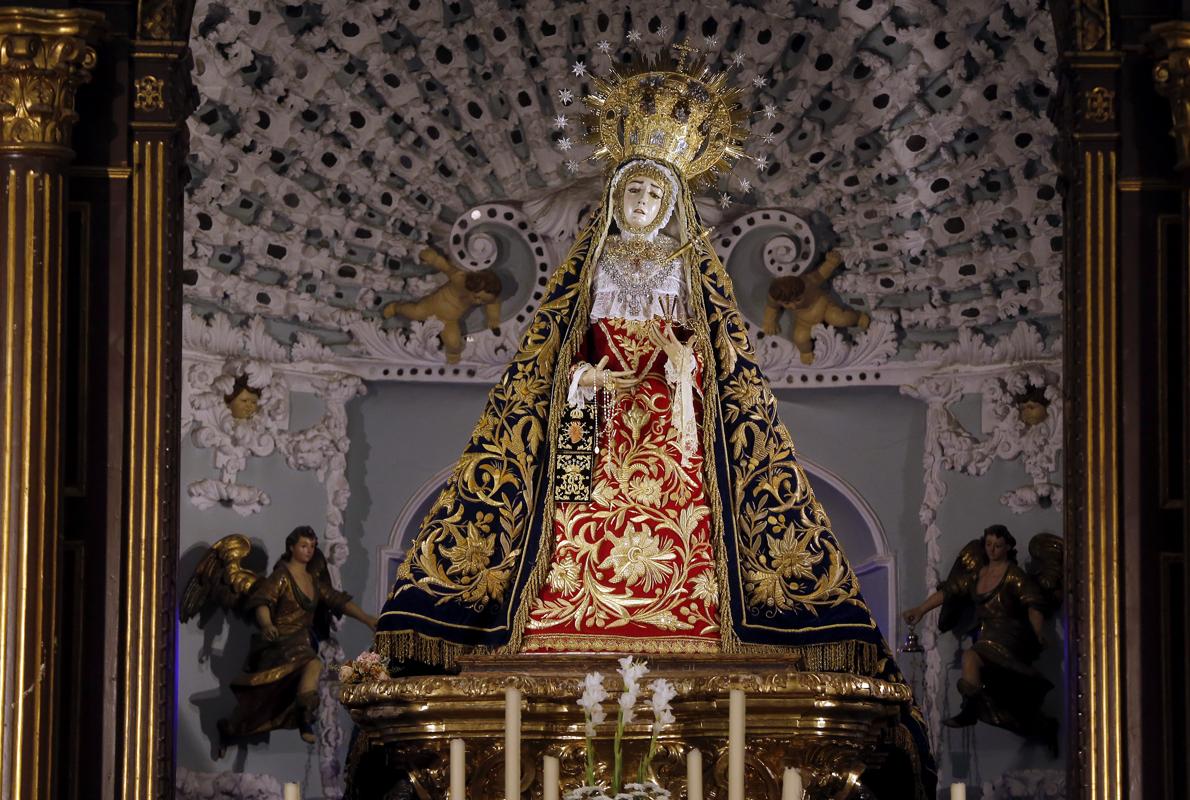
458	770
694	775
791	787
549	778
293	791
735	746
958	791
512	743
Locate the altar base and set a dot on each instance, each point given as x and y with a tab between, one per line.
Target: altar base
831	726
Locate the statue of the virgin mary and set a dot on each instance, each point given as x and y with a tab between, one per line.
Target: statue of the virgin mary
628	487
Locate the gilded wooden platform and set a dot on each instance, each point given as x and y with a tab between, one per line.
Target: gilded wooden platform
830	725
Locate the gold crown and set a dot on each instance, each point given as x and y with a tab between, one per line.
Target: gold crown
685	116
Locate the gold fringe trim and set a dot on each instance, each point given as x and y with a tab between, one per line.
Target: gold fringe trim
411	646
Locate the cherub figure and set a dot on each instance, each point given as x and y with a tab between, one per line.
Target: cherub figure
279	685
809	299
452	301
1032	406
244	400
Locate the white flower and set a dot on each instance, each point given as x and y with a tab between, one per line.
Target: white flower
628	707
634	35
561	121
662	693
724	200
346	673
632	671
770	111
759	81
762	163
591	701
564	143
565	96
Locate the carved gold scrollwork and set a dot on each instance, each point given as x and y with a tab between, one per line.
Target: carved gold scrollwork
1099	105
44	56
1171	74
150	93
1093	24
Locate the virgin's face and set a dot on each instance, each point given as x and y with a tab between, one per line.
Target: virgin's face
642	201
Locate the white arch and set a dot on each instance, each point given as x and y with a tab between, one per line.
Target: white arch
884	558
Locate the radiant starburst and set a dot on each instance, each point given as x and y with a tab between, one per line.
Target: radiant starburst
564	143
769	138
634	35
770	111
565	97
762	163
724	200
663	31
737	60
745	185
560	122
603	46
579	69
572	166
710	41
759	81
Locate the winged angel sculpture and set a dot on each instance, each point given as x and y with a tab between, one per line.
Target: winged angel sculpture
1002	607
292	607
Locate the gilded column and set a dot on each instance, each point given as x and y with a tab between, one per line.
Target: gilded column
44	56
1092	377
161	103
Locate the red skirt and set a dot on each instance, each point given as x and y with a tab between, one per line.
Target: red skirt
633	571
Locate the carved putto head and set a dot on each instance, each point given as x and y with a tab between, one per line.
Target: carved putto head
1032	406
243	400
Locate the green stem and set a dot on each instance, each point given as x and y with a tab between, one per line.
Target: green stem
647	758
590	757
618	769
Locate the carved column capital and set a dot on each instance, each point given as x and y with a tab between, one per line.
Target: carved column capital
1171	74
44	56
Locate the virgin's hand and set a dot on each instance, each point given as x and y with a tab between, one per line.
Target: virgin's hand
270	633
667	340
597	377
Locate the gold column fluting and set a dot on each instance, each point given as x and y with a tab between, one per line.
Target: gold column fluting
1171	75
1092	377
159	84
44	56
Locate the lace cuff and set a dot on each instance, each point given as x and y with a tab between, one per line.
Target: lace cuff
578	396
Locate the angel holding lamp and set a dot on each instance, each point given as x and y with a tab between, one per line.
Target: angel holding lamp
292	607
999	684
